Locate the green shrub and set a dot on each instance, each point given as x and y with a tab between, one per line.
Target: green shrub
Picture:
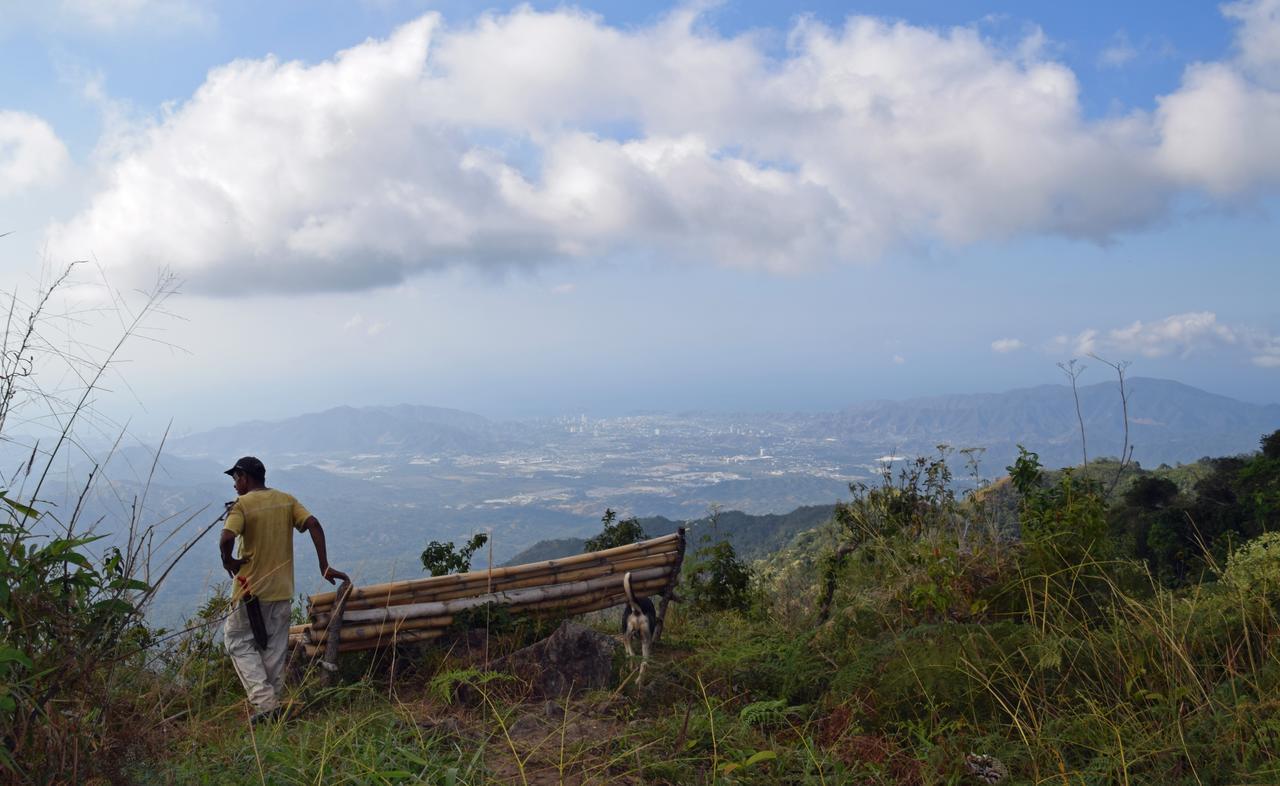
716	579
615	533
441	559
1255	566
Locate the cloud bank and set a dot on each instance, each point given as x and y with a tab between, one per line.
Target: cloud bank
529	137
1179	335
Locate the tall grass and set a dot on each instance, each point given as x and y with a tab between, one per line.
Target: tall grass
72	634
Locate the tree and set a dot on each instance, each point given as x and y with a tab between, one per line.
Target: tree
1151	493
718	580
615	532
441	559
1271	445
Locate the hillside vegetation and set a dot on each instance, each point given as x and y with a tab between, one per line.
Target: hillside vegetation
753	537
907	639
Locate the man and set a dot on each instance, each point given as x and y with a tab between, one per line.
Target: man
261	519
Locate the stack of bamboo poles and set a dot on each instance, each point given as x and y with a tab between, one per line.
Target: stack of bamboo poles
399	612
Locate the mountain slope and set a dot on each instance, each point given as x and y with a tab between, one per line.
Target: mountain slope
1169	421
753	537
347	430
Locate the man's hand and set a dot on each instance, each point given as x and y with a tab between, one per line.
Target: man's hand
330	574
232	565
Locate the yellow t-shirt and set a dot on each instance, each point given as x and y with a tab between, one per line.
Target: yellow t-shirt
264	520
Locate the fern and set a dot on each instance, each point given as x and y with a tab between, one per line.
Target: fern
767	714
444	686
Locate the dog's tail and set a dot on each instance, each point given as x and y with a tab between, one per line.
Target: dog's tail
632	603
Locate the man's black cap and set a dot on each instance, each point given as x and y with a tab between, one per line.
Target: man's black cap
249	466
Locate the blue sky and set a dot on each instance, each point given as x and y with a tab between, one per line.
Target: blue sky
538	209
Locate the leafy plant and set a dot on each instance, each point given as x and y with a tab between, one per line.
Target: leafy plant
717	580
615	533
444	686
72	633
1255	566
441	559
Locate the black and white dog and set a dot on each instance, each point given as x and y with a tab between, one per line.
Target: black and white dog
638	619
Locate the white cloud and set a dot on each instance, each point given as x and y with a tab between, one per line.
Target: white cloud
1118	53
1258	38
1178	335
483	145
1220	130
1005	345
31	154
563	289
367	327
899	360
1123	51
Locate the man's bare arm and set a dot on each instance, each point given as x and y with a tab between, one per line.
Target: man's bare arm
312	525
225	544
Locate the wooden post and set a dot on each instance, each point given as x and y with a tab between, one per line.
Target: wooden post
330	662
669	594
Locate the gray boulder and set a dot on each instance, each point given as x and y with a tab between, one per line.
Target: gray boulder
574	658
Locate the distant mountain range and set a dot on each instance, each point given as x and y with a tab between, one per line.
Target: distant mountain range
350	430
1168	421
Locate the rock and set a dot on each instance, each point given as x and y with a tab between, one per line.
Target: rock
574	658
986	769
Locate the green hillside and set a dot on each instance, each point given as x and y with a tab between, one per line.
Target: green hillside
752	536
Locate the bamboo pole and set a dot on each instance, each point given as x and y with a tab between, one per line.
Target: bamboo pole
409	594
595	571
640	587
355	632
662	562
656	581
666	542
512	598
569	604
406	637
592	601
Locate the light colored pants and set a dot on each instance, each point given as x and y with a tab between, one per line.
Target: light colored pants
261	671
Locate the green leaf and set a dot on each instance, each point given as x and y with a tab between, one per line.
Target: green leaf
758	757
11	655
18	507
